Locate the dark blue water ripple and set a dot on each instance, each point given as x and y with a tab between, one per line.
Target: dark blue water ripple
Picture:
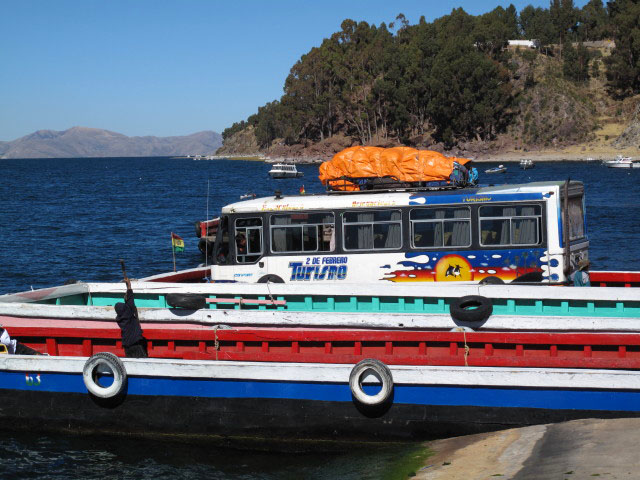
24	456
74	218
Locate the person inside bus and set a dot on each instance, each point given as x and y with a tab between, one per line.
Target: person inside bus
581	276
241	244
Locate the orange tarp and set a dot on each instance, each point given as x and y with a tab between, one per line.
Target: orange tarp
403	163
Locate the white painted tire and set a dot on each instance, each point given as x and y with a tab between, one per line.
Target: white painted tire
90	371
379	370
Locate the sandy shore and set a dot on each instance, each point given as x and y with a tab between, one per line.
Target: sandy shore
556	156
577	153
578	449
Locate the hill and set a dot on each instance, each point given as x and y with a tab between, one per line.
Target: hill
461	84
78	142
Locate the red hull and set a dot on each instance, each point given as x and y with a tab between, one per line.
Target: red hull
566	350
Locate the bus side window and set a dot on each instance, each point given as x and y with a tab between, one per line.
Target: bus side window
437	227
302	232
372	230
510	225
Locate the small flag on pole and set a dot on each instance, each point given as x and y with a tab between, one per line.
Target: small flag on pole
302	192
177	243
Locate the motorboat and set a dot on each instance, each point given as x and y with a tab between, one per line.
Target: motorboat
622	162
284	170
247	196
526	163
498	169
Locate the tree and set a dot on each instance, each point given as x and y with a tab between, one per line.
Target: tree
593	24
444	77
563	18
470	92
623	65
535	24
235	128
493	30
575	63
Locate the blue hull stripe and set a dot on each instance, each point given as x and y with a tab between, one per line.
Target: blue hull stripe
553	399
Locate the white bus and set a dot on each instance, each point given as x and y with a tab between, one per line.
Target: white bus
532	232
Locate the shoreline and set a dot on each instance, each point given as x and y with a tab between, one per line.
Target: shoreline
565	155
556	156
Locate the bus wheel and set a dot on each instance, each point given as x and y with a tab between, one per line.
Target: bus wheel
491	280
531	277
379	370
271	279
471	308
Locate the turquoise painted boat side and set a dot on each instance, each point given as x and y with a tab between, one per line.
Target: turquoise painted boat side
391	304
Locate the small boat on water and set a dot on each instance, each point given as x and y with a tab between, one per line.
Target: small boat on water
247	196
526	163
284	170
622	162
498	169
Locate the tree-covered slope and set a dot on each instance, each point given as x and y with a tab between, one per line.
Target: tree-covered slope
454	82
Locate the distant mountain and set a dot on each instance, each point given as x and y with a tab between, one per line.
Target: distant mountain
93	142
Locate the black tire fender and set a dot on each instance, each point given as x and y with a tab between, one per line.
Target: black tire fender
379	370
91	370
271	279
471	308
185	300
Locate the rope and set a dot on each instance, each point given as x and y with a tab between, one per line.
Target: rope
466	347
270	296
467	350
216	344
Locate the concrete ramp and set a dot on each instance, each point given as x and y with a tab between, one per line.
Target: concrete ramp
579	449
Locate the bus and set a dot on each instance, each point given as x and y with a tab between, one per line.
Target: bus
534	232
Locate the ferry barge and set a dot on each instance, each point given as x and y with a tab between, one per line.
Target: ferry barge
269	361
407	311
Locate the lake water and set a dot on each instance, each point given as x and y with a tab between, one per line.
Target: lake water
75	218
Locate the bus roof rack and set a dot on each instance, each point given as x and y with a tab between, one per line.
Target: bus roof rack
345	185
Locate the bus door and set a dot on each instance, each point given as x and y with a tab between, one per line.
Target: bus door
248	249
221	270
574	234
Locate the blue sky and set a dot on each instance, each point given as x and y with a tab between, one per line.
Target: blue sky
153	67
